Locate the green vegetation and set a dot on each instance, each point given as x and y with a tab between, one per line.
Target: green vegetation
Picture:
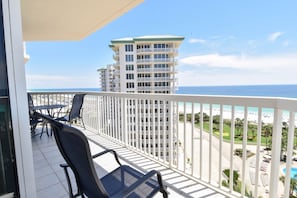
293	185
238	152
252	129
236	182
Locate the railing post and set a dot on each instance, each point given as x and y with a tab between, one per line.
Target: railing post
290	145
98	115
276	151
124	119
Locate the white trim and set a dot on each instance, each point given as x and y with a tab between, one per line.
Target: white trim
18	97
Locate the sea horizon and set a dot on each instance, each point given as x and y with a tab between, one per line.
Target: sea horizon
269	90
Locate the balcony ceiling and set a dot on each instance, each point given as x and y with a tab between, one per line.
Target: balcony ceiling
44	20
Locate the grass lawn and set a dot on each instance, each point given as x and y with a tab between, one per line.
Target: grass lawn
252	138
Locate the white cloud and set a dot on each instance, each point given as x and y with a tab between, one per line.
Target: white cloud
216	78
194	40
274	36
242	61
216	69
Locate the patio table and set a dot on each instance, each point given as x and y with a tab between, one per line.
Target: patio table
50	109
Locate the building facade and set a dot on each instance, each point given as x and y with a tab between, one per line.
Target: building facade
145	65
107	78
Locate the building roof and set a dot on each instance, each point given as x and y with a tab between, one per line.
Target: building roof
148	38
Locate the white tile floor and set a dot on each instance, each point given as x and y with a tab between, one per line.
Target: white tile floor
51	181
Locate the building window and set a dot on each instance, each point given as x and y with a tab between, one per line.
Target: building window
161	75
145	46
143	66
161	65
143	75
130	85
161	45
129	48
161	84
143	57
129	67
129	76
160	56
129	58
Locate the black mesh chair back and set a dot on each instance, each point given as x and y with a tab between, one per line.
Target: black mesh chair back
74	147
123	181
34	119
30	101
77	103
75	111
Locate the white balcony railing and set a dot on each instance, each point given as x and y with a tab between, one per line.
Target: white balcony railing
156	60
153	70
203	135
148	50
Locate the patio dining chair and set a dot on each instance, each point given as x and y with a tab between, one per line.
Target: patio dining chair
75	112
34	119
124	181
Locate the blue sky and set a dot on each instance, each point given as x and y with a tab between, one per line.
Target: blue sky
226	42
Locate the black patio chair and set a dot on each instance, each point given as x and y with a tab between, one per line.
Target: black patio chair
34	118
122	182
75	111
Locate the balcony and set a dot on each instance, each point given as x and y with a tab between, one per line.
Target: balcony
156	50
157	60
154	79
200	147
154	70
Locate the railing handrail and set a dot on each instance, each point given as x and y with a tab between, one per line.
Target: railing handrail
283	103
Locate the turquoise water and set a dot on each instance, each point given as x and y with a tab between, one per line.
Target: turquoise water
293	172
289	91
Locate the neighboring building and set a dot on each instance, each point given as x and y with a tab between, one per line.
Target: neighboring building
107	78
145	65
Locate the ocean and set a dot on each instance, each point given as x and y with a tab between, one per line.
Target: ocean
288	91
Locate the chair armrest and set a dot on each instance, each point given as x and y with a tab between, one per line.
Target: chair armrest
64	165
65	168
146	177
109	151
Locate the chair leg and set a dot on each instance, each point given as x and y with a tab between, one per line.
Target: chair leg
165	194
162	187
42	130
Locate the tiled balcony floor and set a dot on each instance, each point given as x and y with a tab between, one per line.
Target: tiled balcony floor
51	181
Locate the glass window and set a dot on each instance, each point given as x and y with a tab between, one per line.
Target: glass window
130	85
129	58
129	67
129	48
130	76
3	69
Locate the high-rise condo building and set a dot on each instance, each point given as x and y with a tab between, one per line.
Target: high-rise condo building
107	78
145	64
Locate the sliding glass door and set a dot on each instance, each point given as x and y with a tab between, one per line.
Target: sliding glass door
8	172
